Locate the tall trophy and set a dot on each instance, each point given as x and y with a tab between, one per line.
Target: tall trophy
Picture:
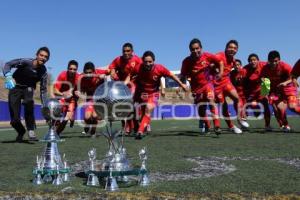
53	166
144	180
92	178
113	102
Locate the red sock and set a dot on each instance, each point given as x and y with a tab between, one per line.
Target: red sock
215	116
282	117
128	126
145	121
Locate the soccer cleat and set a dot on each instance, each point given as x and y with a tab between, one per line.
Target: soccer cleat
19	138
31	135
204	131
139	135
243	123
286	129
218	131
236	130
84	133
268	129
72	123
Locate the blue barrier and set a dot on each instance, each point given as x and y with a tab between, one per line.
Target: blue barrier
4	111
160	112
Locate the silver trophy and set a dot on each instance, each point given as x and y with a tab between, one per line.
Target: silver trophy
52	112
66	176
144	179
111	182
92	178
38	177
52	162
58	179
113	101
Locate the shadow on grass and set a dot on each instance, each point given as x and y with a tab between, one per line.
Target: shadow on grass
274	130
185	133
14	141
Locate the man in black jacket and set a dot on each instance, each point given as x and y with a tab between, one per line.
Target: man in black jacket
21	85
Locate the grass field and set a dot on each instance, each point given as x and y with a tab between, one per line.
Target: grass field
263	165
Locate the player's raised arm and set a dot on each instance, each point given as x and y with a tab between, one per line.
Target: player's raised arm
175	78
16	63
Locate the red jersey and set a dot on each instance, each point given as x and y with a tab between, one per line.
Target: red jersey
88	85
198	70
149	81
237	78
64	83
124	67
253	79
296	69
277	75
228	65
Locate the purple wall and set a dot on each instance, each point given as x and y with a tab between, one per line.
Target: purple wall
162	111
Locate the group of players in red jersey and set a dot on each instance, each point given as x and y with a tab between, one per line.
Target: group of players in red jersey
212	77
141	75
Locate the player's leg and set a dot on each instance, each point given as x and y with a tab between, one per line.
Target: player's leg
130	123
14	103
61	124
94	122
209	96
201	102
88	114
220	99
214	111
231	92
146	119
267	113
281	107
29	112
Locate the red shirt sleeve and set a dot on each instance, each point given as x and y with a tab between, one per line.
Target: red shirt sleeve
115	63
184	67
164	71
61	77
213	58
264	71
101	71
286	69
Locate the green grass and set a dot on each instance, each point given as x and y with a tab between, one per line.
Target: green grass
168	145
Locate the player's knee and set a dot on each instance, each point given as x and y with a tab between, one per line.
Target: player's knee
15	122
29	102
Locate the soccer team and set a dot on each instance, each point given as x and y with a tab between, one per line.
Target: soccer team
213	79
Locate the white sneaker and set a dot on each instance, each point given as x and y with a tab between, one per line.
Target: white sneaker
243	123
31	135
236	130
286	129
83	133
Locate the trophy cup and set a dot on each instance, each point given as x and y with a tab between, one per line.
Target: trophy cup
113	102
144	180
111	182
66	176
38	177
58	179
52	165
92	178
